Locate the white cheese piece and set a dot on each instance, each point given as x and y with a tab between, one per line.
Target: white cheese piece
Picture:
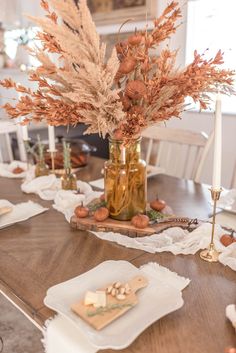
90	298
102	299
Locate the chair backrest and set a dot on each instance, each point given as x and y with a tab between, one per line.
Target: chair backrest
181	153
8	127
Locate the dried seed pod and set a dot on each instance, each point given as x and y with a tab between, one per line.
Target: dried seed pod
136	89
117	134
135	39
121	47
126	102
120	296
127	65
117	285
136	109
113	292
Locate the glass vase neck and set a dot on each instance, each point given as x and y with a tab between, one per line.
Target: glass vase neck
124	152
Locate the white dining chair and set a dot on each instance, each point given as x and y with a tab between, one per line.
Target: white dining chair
178	152
8	127
233	181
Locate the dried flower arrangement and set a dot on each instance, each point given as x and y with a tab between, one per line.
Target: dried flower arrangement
126	93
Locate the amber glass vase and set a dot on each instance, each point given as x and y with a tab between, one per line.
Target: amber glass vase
68	180
41	168
125	180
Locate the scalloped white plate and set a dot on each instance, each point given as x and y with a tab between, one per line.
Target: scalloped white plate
155	301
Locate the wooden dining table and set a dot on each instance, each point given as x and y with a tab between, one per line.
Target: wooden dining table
43	251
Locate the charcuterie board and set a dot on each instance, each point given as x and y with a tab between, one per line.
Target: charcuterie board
101	317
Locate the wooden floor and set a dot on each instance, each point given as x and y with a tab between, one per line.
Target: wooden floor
43	251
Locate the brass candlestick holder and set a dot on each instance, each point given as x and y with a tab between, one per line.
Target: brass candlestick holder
211	254
52	154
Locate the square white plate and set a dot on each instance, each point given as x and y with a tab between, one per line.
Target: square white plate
154	302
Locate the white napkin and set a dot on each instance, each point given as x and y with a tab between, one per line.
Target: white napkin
6	169
61	336
65	201
227	199
45	186
228	256
231	314
20	212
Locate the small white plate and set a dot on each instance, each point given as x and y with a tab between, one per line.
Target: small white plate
154	302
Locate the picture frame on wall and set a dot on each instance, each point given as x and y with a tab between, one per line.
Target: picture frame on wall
107	12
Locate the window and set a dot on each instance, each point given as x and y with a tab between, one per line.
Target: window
211	25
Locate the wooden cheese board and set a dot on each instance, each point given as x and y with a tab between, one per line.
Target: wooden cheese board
126	228
114	308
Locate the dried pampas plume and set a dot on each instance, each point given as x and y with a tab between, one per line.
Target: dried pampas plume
133	89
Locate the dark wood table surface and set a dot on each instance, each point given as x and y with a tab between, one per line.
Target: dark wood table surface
43	251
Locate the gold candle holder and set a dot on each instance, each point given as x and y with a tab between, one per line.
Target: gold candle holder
52	154
211	254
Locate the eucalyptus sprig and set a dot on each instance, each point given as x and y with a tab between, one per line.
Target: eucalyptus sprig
108	309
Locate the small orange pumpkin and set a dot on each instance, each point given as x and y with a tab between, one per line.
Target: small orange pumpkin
226	239
158	205
81	211
101	214
140	221
18	170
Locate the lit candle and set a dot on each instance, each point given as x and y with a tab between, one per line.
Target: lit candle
51	137
216	182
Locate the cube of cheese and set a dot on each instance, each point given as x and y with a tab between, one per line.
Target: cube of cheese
102	299
90	298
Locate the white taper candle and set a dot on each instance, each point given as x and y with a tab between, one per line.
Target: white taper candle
24	130
51	137
216	180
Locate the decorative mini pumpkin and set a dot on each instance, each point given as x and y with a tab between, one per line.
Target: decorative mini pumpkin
136	89
18	170
81	211
101	214
140	221
226	239
158	205
127	65
136	39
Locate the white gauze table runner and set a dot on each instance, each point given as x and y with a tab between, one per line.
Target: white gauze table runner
61	336
175	240
20	212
